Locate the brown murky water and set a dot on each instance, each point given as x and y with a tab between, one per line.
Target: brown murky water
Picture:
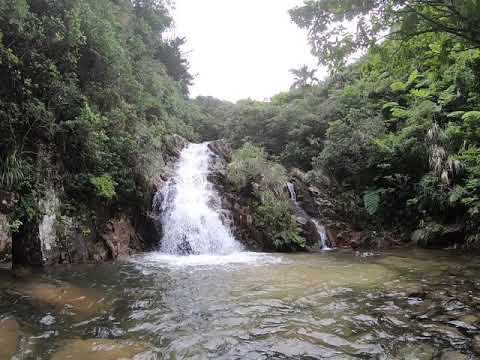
408	304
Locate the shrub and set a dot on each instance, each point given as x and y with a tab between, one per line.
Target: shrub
251	164
427	233
274	216
104	186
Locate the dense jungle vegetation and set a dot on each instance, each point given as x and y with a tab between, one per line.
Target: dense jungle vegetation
94	87
398	129
89	91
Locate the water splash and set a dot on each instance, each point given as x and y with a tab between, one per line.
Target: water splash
191	209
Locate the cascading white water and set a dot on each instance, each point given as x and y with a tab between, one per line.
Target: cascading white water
322	232
191	209
291	190
323	235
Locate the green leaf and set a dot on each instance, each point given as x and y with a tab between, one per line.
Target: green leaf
455	115
371	200
104	186
398	86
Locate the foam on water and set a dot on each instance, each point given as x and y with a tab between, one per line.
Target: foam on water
206	260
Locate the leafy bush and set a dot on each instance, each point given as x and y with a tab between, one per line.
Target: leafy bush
274	216
427	233
251	164
104	186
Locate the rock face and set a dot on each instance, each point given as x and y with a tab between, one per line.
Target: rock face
61	239
101	232
238	212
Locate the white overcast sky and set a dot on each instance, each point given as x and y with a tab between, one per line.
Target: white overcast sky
241	48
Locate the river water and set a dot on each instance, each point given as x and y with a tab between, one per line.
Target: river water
404	304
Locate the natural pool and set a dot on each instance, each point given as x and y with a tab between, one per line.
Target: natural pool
402	304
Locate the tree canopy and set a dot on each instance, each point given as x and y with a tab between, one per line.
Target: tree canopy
337	29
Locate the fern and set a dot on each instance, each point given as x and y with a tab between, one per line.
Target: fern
398	86
12	171
372	199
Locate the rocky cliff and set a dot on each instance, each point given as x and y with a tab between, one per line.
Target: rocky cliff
96	231
240	206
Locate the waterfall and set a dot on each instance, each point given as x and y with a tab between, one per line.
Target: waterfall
191	209
322	232
291	190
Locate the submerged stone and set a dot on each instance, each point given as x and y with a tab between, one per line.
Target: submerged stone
453	355
101	349
416	352
79	301
476	344
9	338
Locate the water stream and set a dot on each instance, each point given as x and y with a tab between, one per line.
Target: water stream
323	241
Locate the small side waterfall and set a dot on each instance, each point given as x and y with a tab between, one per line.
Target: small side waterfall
322	233
191	209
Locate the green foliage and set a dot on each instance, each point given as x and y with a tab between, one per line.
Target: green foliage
398	86
13	170
90	90
274	216
333	44
14	226
372	200
104	186
251	164
428	232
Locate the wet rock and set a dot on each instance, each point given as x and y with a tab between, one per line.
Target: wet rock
9	338
108	332
173	145
120	237
332	237
454	305
8	201
467	322
450	332
222	149
102	349
476	344
416	291
452	355
48	320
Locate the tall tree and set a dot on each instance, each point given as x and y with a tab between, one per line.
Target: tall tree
304	77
